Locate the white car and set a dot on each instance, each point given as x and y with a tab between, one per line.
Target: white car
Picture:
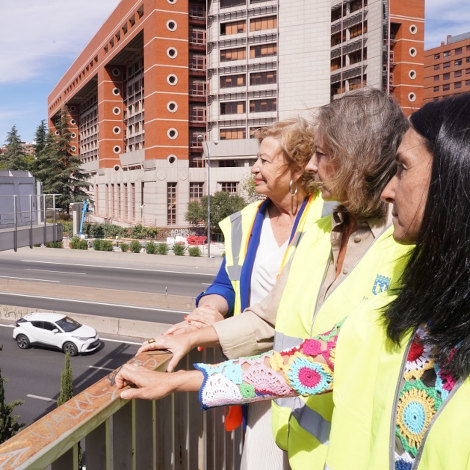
56	330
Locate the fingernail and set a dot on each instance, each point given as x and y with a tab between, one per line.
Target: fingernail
186	316
124	395
189	321
200	348
170	334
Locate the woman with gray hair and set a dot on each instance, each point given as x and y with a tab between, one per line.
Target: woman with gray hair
342	260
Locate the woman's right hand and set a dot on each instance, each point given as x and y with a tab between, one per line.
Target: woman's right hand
179	346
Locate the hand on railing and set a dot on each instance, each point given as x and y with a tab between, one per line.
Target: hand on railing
179	346
200	317
149	385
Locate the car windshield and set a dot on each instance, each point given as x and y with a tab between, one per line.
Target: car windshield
68	324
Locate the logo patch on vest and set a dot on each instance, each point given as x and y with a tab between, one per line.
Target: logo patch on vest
381	284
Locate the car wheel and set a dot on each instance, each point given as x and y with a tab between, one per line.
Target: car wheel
22	341
70	348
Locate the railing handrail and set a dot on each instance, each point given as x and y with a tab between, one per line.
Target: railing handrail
44	441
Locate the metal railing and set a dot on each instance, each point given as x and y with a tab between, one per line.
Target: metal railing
98	430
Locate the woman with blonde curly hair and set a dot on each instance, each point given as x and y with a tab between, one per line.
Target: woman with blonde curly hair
258	241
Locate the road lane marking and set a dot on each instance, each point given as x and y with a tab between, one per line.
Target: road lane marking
52	271
120	267
120	341
138	307
38	397
101	368
28	279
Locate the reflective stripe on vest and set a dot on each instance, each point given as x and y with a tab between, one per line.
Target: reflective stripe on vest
379	267
237	231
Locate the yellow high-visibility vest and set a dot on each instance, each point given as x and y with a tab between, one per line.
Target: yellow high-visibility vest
367	374
237	231
302	426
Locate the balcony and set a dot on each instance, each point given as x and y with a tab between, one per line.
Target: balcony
172	433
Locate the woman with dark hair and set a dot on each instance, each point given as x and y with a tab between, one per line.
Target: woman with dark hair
399	374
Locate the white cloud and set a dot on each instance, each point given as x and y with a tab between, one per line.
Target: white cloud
37	33
451	17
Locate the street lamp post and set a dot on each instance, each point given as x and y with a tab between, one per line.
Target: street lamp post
200	137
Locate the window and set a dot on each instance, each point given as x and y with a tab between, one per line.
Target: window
238	53
446	65
196	191
457	73
233	107
458	51
197	36
437	66
230	81
229	187
457	62
197	113
263	105
231	3
446	54
446	87
457	85
436	78
197	62
437	56
230	134
263	78
435	89
171	203
235	27
446	76
467	82
467	71
263	50
260	24
357	30
467	60
197	88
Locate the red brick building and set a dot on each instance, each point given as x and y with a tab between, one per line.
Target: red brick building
162	76
447	68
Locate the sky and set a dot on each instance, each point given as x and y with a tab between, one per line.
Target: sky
40	39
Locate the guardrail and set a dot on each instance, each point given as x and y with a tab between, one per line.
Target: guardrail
97	430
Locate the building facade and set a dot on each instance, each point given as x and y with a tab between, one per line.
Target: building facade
167	85
447	68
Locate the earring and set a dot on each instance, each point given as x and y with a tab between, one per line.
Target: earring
291	183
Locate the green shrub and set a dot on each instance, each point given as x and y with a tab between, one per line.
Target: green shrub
162	248
194	251
150	248
77	243
139	232
178	250
106	245
37	245
66	226
97	244
124	246
135	246
57	244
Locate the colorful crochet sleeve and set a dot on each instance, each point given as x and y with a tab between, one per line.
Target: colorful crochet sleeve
303	370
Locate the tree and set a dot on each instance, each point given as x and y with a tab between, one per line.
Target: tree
247	189
222	205
66	383
9	425
15	157
40	138
58	169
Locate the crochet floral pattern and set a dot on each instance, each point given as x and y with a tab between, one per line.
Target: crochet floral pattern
419	357
307	377
417	406
303	370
